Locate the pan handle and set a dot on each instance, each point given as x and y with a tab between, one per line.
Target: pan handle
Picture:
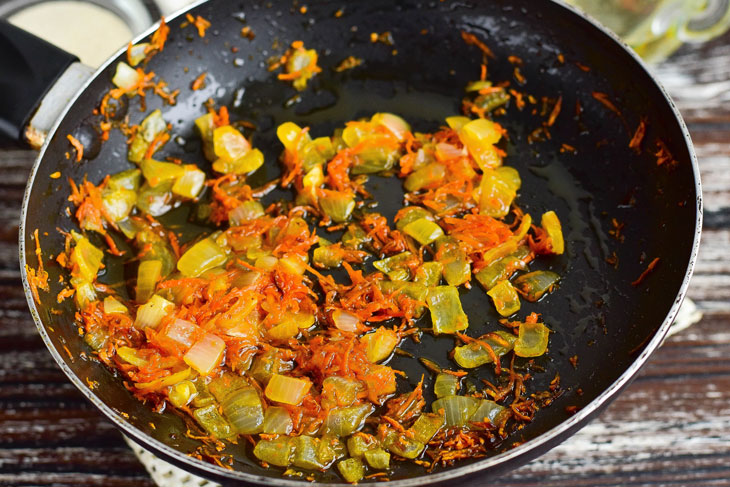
29	68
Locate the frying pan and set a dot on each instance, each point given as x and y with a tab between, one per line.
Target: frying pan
597	315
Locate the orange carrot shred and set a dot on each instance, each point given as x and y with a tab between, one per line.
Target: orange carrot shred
76	145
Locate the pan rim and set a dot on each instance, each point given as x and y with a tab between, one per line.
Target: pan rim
527	450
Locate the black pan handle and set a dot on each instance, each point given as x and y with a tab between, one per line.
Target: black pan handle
29	66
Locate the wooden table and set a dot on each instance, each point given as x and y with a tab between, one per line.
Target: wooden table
671	427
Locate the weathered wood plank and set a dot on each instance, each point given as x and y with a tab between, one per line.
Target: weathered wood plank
698	78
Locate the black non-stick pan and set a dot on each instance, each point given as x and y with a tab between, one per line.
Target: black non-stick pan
621	208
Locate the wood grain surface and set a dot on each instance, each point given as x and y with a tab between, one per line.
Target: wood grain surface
671	427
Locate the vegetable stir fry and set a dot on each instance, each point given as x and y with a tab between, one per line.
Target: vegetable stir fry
247	333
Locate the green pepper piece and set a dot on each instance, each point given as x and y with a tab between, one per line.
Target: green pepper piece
402	445
475	354
330	449
487	411
429	274
277	452
378	458
410	214
359	443
213	422
352	470
389	264
426	427
533	285
152	126
345	421
503	268
267	364
491	101
305	453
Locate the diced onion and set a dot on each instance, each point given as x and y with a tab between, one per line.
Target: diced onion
394	123
152	126
337	205
156	172
505	298
86	259
118	203
130	355
479	137
444	151
446	385
424	231
495	194
190	183
277	421
288	134
339	391
151	313
551	224
456	122
246	211
378	458
345	321
137	53
457	410
248	162
283	331
314	178
85	293
532	340
487	411
475	354
294	263
534	285
202	256
229	144
426	427
112	305
125	77
205	354
182	393
447	314
266	262
210	418
380	344
287	390
164	381
148	273
181	331
426	177
244	410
